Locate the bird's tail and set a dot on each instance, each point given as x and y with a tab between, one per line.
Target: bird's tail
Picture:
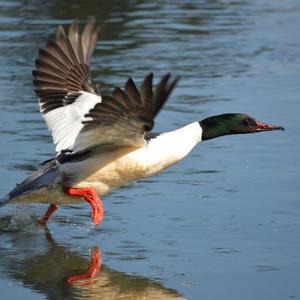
4	200
44	176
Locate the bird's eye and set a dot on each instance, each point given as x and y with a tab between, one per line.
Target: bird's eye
247	122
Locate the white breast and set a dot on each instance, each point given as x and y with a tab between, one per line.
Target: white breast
119	168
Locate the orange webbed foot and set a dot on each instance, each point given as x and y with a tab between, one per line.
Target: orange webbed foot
92	198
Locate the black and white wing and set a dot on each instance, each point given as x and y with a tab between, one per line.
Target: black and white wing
77	117
63	81
122	119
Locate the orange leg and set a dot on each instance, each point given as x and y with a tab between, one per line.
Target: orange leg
92	270
51	209
91	197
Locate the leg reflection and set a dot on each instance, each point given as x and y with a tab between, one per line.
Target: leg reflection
92	271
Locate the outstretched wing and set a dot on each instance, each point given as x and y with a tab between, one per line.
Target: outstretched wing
122	119
77	117
63	81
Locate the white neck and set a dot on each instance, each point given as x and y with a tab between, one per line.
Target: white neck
170	147
191	133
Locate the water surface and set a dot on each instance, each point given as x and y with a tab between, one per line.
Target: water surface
223	223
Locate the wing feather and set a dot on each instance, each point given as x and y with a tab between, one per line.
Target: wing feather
122	119
63	82
77	117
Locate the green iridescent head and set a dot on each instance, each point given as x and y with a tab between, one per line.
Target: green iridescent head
232	124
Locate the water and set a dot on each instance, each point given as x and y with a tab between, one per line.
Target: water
223	223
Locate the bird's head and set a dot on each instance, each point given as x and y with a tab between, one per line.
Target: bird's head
226	124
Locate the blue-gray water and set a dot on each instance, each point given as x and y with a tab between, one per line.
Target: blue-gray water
222	224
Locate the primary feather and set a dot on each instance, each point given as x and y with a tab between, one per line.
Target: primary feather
77	117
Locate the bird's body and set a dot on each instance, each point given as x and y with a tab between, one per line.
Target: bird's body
107	171
104	142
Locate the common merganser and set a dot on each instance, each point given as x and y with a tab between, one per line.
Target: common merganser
105	141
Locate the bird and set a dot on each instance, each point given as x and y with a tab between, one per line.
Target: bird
105	141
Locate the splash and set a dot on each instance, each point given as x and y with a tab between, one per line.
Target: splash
24	218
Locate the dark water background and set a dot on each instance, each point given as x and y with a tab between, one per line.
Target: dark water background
222	224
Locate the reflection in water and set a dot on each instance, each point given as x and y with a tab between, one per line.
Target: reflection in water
232	55
92	270
44	266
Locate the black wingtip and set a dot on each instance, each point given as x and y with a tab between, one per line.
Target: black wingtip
129	82
166	77
174	83
148	80
60	32
150	75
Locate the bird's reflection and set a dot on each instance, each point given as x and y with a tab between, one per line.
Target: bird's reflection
42	265
93	267
92	270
